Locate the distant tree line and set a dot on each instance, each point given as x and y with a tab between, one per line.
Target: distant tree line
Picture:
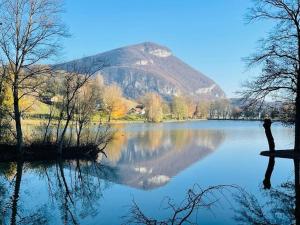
187	107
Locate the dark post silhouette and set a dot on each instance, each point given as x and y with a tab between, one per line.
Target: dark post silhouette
267	126
297	191
16	194
268	174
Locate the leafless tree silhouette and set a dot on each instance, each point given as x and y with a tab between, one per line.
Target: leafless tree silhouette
279	56
196	198
29	35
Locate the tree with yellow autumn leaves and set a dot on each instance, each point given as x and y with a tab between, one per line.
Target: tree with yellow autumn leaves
5	108
114	102
153	104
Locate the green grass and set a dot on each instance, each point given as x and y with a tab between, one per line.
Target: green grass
133	117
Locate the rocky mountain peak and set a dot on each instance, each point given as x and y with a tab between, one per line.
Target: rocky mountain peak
150	67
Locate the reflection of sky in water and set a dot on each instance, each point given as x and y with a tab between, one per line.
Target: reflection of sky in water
166	160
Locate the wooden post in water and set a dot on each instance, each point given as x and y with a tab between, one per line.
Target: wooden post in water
267	125
297	192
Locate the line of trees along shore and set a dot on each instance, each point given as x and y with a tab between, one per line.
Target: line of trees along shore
76	100
189	107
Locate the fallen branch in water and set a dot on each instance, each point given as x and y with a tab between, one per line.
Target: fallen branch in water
196	198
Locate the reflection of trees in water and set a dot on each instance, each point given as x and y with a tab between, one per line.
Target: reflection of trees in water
114	148
8	170
185	212
280	207
181	138
4	197
277	209
11	206
71	188
209	138
144	145
151	140
149	158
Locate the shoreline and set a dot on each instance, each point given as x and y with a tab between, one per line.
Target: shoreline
42	152
40	121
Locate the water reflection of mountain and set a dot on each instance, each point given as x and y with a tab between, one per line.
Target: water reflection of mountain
149	158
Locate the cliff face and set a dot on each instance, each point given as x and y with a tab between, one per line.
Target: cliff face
149	67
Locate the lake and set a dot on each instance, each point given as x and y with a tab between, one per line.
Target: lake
147	163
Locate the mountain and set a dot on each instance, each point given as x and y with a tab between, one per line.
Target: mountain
149	67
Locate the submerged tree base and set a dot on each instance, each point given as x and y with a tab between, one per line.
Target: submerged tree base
8	153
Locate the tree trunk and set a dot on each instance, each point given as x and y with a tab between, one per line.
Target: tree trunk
297	192
61	142
267	126
297	118
297	103
48	125
18	124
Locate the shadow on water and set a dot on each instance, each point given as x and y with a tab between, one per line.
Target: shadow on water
281	205
268	174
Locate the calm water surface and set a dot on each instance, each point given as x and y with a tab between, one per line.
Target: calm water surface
146	163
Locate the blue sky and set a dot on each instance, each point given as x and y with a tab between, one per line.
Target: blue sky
211	36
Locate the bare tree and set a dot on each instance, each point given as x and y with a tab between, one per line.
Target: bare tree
29	34
279	56
85	107
196	198
72	83
202	109
279	207
220	109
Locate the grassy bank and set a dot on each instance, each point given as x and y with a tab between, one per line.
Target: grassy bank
37	122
